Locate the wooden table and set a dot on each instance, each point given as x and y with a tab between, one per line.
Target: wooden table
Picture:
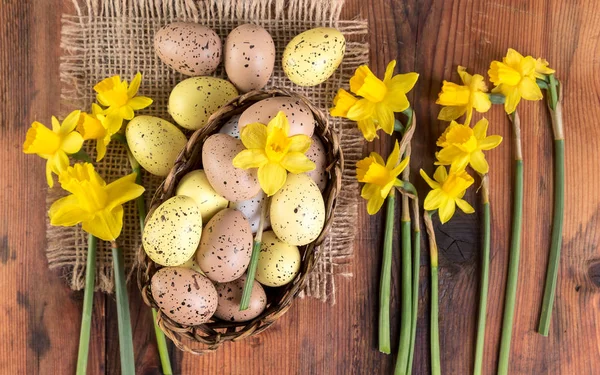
41	316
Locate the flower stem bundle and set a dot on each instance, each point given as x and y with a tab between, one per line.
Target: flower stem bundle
88	302
386	276
251	273
434	329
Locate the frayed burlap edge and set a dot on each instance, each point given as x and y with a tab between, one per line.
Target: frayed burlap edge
103	38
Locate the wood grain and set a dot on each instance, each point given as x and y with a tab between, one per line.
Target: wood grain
432	37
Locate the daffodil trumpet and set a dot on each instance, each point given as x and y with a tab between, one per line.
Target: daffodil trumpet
484	283
515	250
161	342
555	107
88	304
251	273
434	330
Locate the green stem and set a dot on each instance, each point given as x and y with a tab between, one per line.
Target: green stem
385	278
434	329
161	341
483	291
559	208
407	301
123	317
88	302
515	250
251	273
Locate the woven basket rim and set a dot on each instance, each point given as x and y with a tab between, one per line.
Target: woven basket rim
209	336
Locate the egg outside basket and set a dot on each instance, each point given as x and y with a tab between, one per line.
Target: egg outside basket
212	334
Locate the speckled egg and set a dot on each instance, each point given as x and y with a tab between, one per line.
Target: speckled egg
299	116
191	263
278	262
196	186
195	99
228	181
225	247
231	127
184	295
249	57
172	234
251	208
154	143
317	154
189	48
230	296
312	56
298	210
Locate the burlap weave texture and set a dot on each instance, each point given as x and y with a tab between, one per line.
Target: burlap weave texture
107	37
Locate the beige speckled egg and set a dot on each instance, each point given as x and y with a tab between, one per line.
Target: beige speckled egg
190	48
231	127
249	57
196	186
195	99
251	208
312	56
172	234
299	116
298	210
230	296
184	295
278	262
317	154
225	247
154	143
228	181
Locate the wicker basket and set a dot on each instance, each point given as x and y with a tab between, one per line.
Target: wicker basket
211	335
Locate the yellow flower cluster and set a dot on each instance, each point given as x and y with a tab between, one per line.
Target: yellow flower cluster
377	100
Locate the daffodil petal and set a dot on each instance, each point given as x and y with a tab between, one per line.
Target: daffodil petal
490	142
297	162
123	190
369	190
105	224
434	199
341	103
126	112
378	158
400	167
113	124
67	212
139	102
254	135
72	143
49	178
385	118
361	110
374	204
279	121
440	174
478	162
392	160
70	122
451	113
511	101
480	129
134	86
389	71
396	101
465	206
481	102
529	89
252	158
368	129
271	178
100	149
403	82
300	143
433	184
56	125
446	210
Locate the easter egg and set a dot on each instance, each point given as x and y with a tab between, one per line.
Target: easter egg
249	57
252	209
299	116
231	127
278	262
317	154
154	143
189	48
230	296
298	210
225	247
184	295
312	56
172	233
196	186
195	99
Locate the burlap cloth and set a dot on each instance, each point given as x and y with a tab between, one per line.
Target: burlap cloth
107	37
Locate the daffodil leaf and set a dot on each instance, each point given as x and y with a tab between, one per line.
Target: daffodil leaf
497	98
542	84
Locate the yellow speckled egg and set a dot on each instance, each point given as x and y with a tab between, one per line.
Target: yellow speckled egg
196	186
225	247
233	183
278	262
172	234
184	295
230	296
312	56
154	143
193	100
299	116
298	210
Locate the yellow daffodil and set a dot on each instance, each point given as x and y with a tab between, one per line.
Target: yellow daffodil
379	99
462	146
461	99
379	177
120	97
514	77
447	192
54	145
273	152
98	127
92	202
542	69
